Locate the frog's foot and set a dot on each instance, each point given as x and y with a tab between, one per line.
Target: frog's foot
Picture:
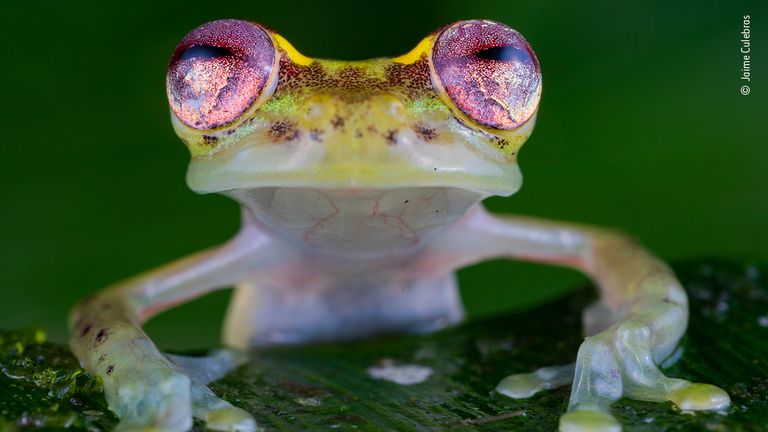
158	395
622	362
150	395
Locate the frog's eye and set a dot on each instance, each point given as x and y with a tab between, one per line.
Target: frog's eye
489	71
217	71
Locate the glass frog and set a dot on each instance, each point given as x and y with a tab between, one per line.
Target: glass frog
361	185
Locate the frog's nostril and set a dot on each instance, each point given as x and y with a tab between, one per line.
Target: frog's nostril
314	111
386	107
318	110
397	110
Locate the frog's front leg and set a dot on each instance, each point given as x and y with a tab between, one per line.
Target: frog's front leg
641	316
146	389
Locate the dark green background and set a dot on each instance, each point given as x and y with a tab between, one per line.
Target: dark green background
641	127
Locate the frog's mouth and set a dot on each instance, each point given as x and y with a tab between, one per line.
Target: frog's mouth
308	165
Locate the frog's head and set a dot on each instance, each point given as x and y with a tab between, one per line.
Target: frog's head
256	113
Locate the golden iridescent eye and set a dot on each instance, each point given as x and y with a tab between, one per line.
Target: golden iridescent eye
217	71
489	71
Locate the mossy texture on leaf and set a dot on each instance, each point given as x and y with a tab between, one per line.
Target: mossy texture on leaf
43	387
452	373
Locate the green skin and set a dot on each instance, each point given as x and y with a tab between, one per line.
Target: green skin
356	214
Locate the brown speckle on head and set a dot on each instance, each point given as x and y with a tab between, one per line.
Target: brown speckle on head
102	357
210	139
316	135
110	369
391	137
294	135
426	133
280	129
337	122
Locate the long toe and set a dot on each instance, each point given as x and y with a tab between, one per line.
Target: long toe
520	386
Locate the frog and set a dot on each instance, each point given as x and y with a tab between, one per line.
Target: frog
361	185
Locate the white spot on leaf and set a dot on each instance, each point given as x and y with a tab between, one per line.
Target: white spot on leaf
404	374
309	401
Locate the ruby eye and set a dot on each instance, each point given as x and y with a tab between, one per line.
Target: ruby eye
217	71
489	71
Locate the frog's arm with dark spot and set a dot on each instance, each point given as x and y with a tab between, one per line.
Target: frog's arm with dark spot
108	339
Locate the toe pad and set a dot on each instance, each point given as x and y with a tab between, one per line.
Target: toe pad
697	397
588	421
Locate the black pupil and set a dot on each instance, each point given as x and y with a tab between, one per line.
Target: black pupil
502	54
205	52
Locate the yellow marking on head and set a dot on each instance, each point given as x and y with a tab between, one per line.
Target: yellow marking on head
292	52
412	56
